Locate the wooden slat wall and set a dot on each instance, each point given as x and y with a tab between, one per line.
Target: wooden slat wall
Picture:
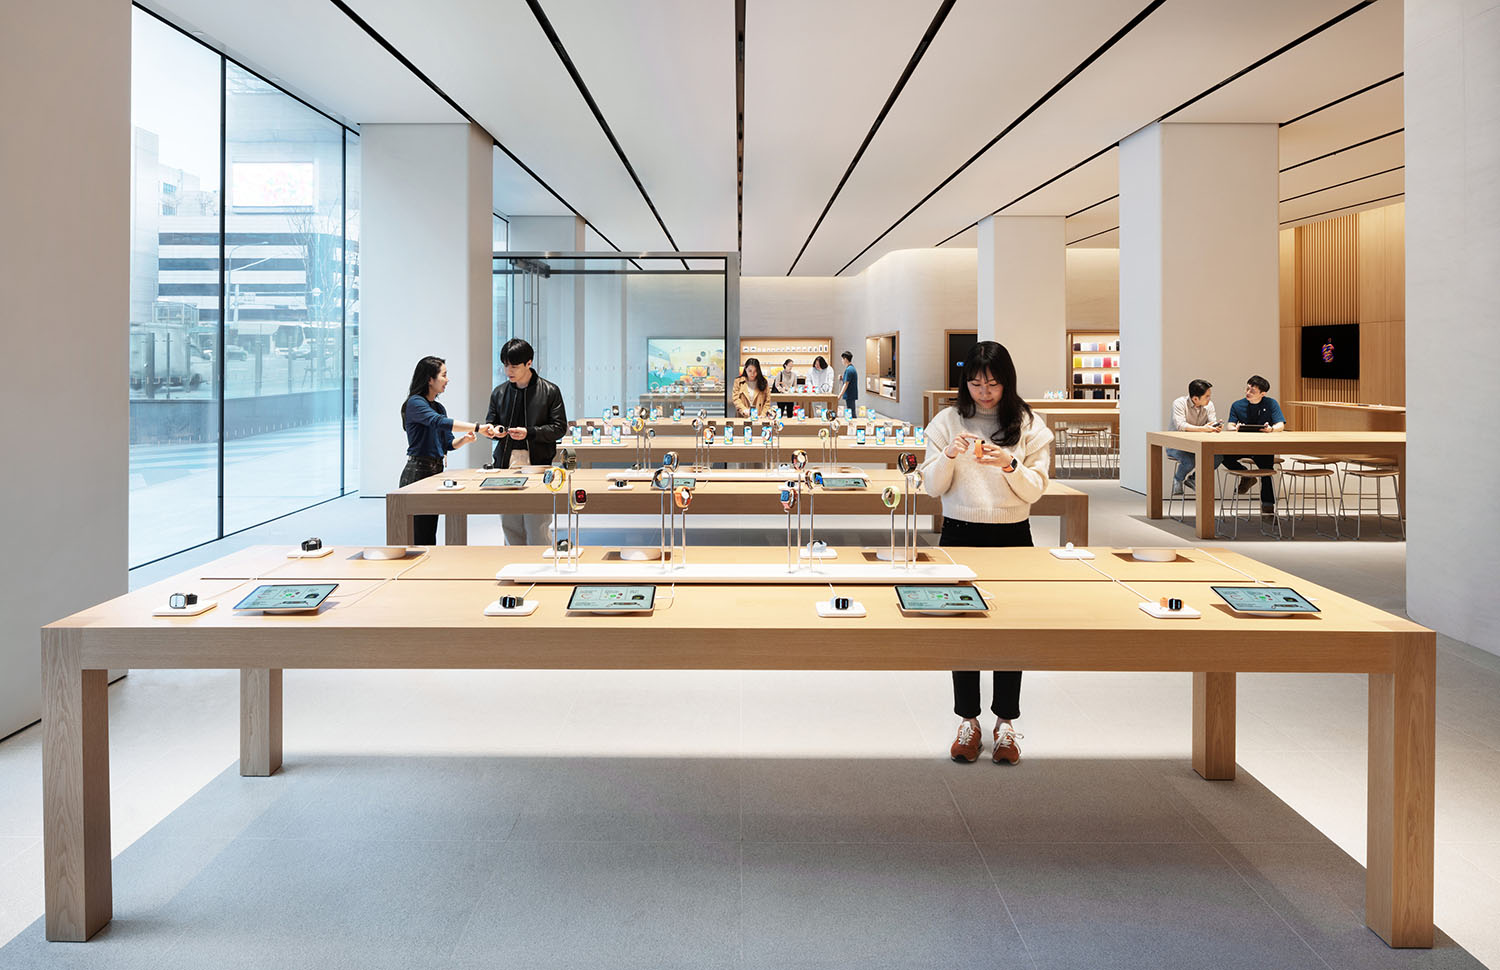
1349	270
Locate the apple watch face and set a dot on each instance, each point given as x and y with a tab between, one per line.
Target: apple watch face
650	433
788	499
823	434
669	460
578	498
780	425
907	462
765	433
637	425
799	459
889	496
555	479
817	478
683	496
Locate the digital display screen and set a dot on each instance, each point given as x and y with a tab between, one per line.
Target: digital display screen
612	598
959	599
1331	351
679	482
685	364
509	481
843	481
304	596
1264	599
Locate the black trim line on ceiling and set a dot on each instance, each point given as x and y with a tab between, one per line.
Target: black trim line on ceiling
911	65
588	99
1095	205
739	127
1119	35
1260	63
1363	90
1336	151
405	62
1272	56
1352	205
1087	238
1340	184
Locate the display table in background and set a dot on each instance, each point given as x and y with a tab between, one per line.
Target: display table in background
428	497
426	612
1053	417
1339	416
607	452
808	401
1329	444
935	401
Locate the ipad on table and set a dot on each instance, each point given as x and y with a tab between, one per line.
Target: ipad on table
504	481
842	482
287	597
1279	600
613	599
941	599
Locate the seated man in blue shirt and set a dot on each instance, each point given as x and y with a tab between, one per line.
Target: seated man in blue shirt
1257	412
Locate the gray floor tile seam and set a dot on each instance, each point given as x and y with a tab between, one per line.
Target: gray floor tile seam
990	874
1218	849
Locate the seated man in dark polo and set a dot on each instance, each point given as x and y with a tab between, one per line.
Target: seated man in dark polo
527	419
1256	412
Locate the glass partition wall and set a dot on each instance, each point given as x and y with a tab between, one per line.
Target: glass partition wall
629	330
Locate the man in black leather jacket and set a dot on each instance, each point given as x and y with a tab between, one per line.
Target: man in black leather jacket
527	419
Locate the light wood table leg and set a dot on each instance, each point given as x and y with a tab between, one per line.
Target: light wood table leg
260	722
1213	724
1073	525
1204	524
1153	481
456	528
399	527
1402	776
75	790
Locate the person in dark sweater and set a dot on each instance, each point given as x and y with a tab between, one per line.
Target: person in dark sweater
429	435
527	419
1257	412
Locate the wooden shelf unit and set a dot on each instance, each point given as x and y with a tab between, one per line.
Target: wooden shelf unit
1091	352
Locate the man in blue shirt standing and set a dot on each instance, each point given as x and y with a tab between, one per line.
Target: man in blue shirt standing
849	389
1257	412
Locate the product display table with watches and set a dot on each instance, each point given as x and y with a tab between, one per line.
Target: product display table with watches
427	611
429	497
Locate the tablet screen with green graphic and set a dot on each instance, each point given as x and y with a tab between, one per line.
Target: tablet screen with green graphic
940	599
1264	599
612	599
298	598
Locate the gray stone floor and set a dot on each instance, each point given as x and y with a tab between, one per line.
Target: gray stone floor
706	819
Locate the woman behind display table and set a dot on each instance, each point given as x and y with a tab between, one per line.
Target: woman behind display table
820	378
429	435
987	459
751	392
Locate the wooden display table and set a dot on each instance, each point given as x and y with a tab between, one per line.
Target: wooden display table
427	613
808	401
1331	444
665	427
1069	403
428	497
1339	416
935	401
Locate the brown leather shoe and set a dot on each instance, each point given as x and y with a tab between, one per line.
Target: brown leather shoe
1006	748
968	744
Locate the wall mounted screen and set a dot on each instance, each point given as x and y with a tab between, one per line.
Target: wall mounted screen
692	364
1331	351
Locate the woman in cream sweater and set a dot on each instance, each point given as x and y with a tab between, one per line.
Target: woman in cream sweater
987	459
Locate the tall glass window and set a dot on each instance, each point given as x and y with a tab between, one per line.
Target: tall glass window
174	292
244	322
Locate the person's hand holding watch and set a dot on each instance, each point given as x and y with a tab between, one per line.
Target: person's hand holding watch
985	453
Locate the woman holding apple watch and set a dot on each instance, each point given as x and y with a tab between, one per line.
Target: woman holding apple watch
430	435
987	459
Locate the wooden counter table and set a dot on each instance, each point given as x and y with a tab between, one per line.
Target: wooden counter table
808	401
935	401
1331	444
1048	615
428	497
1341	416
666	427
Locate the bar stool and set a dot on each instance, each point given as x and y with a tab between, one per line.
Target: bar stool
1303	490
1181	496
1361	473
1230	497
1087	448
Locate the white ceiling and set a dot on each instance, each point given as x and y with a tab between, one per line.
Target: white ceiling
662	74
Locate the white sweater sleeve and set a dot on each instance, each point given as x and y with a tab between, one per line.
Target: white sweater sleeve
1029	480
937	467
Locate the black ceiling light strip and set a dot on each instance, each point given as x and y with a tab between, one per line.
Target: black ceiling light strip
739	125
1239	74
911	66
1119	35
588	99
1346	148
1094	206
1087	238
1352	205
1063	173
1347	182
1272	56
1363	90
405	62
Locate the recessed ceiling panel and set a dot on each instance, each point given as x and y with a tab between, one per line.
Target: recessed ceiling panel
1093	221
1377	156
1106	239
1372	113
316	52
518	194
1180	51
1095	181
663	74
1365	193
816	75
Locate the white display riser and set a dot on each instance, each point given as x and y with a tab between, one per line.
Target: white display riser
823	571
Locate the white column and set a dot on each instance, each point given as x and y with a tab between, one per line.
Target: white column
1452	292
1198	272
65	274
424	281
1023	296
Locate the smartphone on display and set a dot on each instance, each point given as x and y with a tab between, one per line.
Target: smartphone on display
859	435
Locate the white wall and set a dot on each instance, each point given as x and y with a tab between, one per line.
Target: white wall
1452	296
1023	295
1199	285
425	283
1093	292
66	162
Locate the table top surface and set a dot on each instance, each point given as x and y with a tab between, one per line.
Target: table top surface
1279	440
1349	406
